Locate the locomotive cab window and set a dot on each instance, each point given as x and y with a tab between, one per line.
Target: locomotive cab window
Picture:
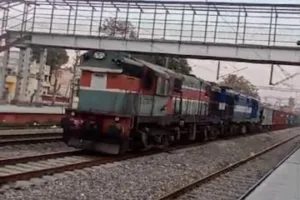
177	85
85	57
148	79
134	71
162	87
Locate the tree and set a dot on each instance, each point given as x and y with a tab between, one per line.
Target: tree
56	57
118	28
240	84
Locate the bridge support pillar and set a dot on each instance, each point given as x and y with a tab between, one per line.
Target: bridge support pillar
40	76
3	75
23	72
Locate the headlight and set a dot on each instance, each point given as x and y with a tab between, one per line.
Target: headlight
99	55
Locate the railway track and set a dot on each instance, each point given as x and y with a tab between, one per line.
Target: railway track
5	128
21	168
24	168
228	182
21	138
30	167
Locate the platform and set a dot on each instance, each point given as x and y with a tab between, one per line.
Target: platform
31	110
282	184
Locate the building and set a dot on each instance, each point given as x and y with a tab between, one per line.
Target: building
64	80
11	78
10	81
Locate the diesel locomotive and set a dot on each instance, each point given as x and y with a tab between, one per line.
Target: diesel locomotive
129	104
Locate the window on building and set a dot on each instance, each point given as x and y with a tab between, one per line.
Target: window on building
8	71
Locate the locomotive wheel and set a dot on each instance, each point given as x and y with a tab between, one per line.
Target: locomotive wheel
124	145
66	135
260	128
145	140
193	130
217	132
231	130
165	141
206	133
177	134
214	133
131	146
243	129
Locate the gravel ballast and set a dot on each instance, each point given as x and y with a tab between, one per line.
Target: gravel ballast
233	184
152	176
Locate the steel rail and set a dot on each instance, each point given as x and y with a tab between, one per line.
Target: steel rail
4	128
30	140
24	135
16	160
23	138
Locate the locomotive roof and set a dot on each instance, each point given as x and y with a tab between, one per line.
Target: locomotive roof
161	70
168	72
194	79
128	58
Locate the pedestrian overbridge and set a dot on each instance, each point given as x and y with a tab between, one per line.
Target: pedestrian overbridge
215	51
248	32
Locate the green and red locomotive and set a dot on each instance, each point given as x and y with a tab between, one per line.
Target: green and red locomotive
127	103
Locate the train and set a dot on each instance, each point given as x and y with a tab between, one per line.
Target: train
128	104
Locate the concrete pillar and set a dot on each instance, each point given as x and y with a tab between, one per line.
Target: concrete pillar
23	75
3	74
75	88
40	76
75	82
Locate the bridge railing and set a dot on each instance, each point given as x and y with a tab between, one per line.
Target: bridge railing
234	23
